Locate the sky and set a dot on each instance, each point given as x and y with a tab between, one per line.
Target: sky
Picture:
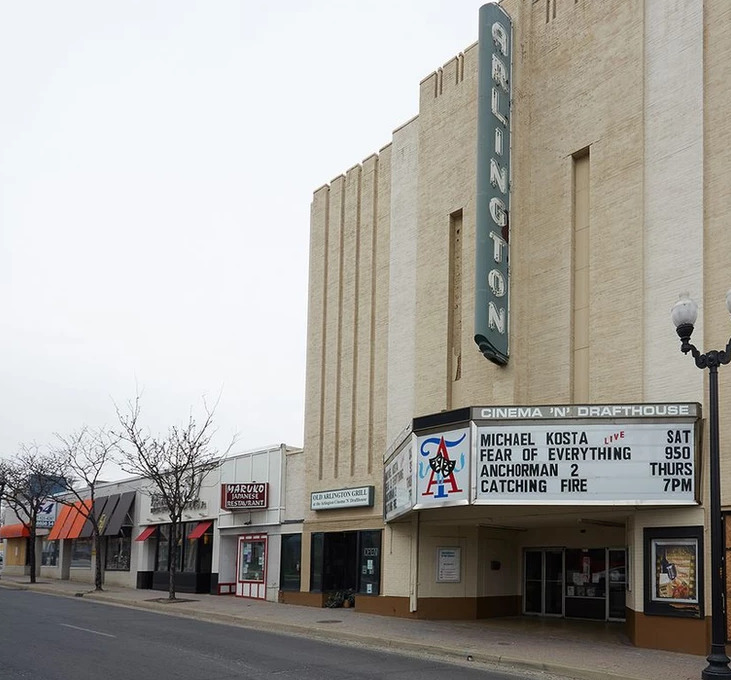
157	163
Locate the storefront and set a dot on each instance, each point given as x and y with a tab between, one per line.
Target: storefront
252	566
346	561
193	560
17	552
261	508
69	551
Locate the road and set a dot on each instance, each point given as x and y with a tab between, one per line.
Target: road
43	637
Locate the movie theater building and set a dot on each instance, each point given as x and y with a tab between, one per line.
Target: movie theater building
498	418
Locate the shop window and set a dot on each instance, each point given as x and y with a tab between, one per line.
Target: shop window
370	562
585	573
253	559
586	584
49	554
81	553
190	557
163	548
346	561
119	550
316	559
291	556
193	555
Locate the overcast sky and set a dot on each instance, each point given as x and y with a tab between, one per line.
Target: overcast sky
157	163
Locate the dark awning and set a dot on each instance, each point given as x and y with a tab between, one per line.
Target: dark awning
100	507
199	530
115	519
146	534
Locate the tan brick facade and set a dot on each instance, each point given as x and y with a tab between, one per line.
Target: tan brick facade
620	198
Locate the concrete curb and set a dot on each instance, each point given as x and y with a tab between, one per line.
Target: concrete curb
464	656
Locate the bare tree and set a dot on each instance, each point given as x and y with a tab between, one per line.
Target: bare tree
176	464
30	479
84	453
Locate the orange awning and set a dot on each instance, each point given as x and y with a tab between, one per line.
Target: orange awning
58	525
71	521
14	531
146	534
199	530
79	520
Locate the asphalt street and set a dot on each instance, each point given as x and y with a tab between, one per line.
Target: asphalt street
43	637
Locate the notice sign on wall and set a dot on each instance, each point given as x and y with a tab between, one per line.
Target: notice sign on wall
244	496
449	565
586	463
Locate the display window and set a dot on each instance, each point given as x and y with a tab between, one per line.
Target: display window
252	566
49	554
81	553
346	561
193	554
119	550
291	559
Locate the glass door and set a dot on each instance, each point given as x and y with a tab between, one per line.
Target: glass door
617	584
533	591
553	572
543	585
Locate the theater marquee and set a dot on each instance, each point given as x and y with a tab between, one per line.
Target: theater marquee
579	454
586	463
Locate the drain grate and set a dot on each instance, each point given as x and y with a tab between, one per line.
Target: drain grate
329	621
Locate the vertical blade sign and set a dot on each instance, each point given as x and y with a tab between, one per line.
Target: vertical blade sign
493	183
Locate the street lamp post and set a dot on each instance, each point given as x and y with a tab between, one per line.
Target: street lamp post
684	314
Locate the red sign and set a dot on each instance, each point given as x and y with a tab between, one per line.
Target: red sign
244	496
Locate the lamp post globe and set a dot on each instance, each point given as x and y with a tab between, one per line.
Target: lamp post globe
684	315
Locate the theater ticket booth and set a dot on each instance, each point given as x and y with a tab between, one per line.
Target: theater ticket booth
581	583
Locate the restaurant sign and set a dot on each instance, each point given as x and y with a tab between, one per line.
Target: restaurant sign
244	496
358	497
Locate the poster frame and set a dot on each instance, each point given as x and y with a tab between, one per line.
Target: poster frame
657	538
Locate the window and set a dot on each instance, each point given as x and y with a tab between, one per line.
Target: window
81	553
316	561
290	567
253	559
119	550
586	573
163	543
190	556
370	562
49	554
346	560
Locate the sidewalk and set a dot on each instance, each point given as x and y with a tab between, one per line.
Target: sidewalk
574	649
